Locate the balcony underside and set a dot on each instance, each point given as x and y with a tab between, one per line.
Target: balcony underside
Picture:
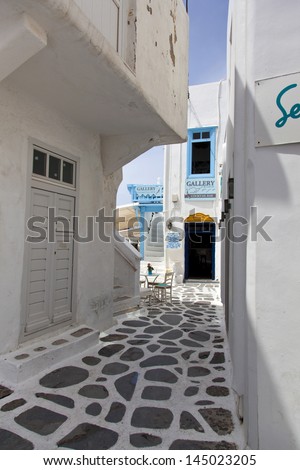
80	75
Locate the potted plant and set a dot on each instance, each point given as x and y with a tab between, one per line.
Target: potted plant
150	268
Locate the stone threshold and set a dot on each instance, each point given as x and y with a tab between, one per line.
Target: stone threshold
30	360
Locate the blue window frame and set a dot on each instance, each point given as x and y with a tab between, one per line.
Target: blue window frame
201	152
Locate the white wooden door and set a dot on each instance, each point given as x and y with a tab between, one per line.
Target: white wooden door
50	266
61	299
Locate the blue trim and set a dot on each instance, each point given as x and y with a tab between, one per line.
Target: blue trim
212	141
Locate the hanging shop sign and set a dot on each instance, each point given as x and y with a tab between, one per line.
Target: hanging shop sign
277	110
145	193
200	188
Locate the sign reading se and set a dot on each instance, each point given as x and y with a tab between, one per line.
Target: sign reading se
277	110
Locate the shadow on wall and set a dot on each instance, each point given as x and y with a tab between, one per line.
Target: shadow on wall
262	369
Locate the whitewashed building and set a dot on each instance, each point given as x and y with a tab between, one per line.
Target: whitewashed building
85	87
192	186
261	181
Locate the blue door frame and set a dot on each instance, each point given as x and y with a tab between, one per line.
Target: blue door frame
199	229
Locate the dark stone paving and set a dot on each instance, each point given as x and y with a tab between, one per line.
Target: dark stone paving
136	323
132	354
40	420
191	391
215	391
94	409
198	371
94	391
182	444
174	334
111	349
159	361
81	332
220	420
151	417
218	358
199	336
64	377
192	344
126	385
115	368
11	441
5	391
12	405
153	347
187	421
155	381
113	337
161	375
156	393
144	440
91	360
59	399
88	436
116	413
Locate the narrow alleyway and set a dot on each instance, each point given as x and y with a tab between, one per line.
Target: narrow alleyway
160	379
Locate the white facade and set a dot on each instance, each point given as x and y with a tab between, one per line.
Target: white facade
206	111
261	277
89	98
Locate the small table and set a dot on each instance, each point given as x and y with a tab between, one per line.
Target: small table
150	278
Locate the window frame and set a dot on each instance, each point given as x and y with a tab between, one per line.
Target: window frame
191	140
63	158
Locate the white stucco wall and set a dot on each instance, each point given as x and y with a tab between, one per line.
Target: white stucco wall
20	119
162	60
207	107
265	296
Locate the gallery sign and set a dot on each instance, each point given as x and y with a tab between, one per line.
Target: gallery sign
145	193
277	110
149	190
200	188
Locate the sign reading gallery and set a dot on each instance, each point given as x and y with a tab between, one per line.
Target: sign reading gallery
200	188
277	110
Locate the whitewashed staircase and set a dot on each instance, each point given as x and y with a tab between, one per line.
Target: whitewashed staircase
154	245
126	277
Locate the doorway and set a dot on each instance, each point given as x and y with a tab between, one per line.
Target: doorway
50	265
199	251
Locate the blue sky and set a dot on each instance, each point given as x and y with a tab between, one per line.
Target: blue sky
207	63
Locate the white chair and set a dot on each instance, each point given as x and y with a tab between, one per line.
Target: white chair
162	288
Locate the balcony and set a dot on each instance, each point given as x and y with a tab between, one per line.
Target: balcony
116	67
115	19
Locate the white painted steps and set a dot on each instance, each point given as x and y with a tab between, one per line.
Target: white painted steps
30	360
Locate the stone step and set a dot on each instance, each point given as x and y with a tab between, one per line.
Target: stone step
119	291
125	303
154	248
31	360
154	254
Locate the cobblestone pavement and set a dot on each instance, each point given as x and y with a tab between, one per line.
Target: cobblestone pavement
159	379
